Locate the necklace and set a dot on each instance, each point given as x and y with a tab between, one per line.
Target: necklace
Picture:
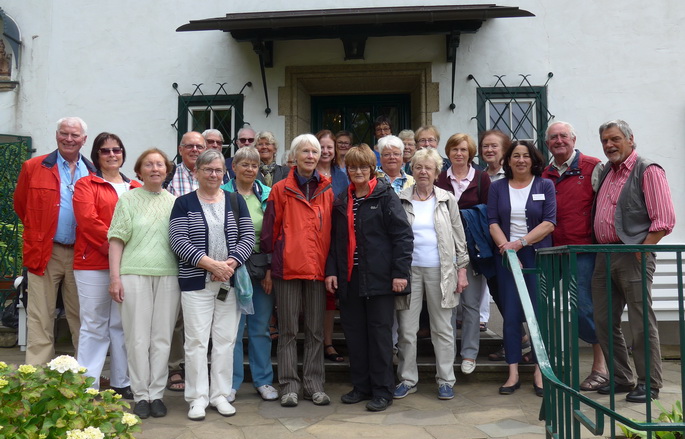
210	199
418	195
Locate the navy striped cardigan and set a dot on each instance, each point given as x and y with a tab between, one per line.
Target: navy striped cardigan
188	236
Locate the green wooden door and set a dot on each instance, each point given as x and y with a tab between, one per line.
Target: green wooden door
357	113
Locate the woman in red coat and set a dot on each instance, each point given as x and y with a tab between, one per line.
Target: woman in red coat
95	197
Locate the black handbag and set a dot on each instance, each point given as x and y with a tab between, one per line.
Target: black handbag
257	265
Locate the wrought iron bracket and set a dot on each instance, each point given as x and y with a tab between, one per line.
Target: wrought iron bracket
265	51
452	41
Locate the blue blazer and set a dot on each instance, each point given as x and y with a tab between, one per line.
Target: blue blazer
541	206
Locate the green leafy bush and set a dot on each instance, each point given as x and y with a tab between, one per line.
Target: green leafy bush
675	415
56	401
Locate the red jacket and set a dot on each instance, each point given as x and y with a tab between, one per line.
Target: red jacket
36	201
296	231
94	203
575	196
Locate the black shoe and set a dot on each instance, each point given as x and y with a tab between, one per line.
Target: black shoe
539	391
497	356
142	409
509	390
378	404
125	392
158	409
354	397
618	388
639	394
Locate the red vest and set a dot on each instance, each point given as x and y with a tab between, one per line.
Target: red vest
575	196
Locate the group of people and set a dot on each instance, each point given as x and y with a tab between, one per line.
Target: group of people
150	272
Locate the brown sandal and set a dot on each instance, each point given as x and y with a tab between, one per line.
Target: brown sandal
594	381
177	381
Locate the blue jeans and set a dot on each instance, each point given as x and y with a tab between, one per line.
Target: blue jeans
258	340
585	263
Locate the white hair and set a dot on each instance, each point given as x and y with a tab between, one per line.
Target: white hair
73	120
305	139
392	141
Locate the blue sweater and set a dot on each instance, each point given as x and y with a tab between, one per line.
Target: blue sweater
188	236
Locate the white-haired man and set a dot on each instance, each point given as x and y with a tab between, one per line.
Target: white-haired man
43	202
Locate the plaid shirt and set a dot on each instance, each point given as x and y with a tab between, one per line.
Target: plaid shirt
183	182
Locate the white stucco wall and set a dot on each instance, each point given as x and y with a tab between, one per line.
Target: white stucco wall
113	64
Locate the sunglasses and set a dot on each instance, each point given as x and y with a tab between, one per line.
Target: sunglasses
246	140
108	151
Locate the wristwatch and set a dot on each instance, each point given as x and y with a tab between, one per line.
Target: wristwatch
523	242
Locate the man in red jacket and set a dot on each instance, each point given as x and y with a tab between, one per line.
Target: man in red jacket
576	178
43	202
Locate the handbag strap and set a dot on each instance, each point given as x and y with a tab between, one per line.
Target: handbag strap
233	198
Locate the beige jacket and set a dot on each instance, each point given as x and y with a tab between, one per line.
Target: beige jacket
451	243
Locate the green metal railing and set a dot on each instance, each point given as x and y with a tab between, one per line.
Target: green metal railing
554	334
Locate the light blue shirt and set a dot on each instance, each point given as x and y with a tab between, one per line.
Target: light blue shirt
66	223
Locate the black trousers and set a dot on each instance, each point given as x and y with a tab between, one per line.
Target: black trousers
367	324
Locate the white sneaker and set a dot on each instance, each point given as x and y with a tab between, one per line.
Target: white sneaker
289	400
225	408
231	396
196	412
267	392
467	366
320	398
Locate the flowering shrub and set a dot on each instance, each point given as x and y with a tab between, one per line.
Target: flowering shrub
56	401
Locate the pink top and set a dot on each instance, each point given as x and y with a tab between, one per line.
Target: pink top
460	186
657	197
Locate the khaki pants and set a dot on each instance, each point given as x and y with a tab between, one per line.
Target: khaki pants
42	301
149	312
626	289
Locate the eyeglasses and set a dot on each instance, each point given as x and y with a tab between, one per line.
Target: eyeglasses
107	151
429	140
210	171
67	135
490	146
387	155
246	140
194	146
358	168
342	144
214	142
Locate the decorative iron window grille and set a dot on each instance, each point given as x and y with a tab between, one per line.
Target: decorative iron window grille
222	111
14	150
519	111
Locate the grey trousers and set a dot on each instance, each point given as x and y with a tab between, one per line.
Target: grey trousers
293	296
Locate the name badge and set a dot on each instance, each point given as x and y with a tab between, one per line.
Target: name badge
538	197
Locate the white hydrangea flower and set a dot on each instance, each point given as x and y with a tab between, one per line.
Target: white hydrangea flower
88	433
129	419
64	363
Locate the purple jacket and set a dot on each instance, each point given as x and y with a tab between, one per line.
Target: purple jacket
541	206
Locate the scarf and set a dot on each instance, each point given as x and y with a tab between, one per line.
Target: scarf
352	236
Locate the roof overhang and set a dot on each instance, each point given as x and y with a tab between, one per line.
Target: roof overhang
355	22
354	26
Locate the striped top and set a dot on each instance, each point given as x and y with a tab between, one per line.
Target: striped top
189	236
